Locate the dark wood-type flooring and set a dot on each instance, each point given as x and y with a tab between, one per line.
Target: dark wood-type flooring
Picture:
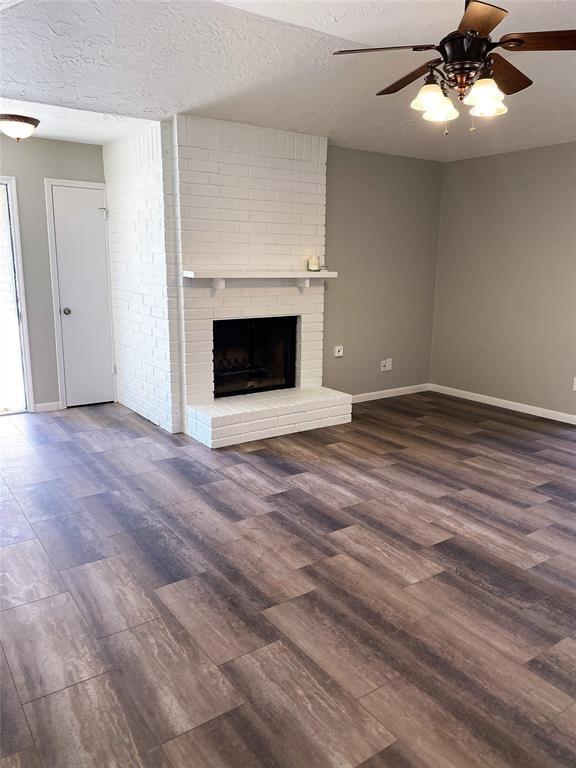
398	592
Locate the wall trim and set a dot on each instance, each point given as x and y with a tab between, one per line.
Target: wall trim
510	405
42	407
395	392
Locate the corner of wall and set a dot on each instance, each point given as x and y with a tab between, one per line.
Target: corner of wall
501	297
440	215
173	249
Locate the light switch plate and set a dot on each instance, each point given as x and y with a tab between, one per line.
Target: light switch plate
338	351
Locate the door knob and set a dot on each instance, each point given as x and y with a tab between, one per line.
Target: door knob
67	311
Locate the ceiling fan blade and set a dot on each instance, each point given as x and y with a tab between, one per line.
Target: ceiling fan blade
562	40
508	78
481	17
407	79
389	48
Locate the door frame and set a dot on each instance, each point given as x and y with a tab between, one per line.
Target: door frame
52	252
10	182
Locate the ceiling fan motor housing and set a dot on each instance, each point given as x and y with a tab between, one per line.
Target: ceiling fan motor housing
464	56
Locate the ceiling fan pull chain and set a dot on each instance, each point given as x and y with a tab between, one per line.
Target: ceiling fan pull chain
446	129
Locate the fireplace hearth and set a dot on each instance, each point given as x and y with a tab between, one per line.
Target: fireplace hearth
254	355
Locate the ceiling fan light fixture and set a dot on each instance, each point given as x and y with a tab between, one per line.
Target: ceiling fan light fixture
18	126
441	112
489	110
484	92
429	97
466	64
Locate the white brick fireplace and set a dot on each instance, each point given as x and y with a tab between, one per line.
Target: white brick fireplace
229	420
252	207
243	210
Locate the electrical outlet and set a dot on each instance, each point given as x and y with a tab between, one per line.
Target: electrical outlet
338	351
386	365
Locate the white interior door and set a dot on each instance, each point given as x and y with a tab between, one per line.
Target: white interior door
84	297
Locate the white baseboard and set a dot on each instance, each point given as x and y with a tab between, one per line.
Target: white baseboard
365	396
532	410
42	407
510	405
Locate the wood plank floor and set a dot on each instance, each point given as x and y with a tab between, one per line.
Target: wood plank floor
398	592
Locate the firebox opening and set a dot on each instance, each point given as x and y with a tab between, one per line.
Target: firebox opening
254	355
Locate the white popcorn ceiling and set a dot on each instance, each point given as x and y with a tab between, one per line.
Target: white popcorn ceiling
74	124
152	58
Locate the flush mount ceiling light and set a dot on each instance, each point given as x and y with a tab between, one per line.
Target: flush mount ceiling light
468	66
18	126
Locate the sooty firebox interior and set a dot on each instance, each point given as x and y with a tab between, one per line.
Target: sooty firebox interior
254	355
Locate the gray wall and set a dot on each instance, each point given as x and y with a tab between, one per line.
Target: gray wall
31	162
505	309
381	237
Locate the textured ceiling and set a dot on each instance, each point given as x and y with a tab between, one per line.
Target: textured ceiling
390	22
73	124
153	58
8	3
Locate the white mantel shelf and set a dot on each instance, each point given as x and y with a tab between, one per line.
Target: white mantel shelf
219	276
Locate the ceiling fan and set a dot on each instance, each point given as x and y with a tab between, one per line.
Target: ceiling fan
468	65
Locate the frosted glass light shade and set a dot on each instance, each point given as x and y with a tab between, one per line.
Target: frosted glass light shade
441	112
484	91
428	97
18	126
490	110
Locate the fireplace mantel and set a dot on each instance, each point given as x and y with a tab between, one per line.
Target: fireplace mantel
219	276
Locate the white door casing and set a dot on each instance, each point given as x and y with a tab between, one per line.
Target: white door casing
10	183
81	291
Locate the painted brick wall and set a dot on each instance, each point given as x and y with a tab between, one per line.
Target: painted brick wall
143	268
250	197
205	193
174	283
